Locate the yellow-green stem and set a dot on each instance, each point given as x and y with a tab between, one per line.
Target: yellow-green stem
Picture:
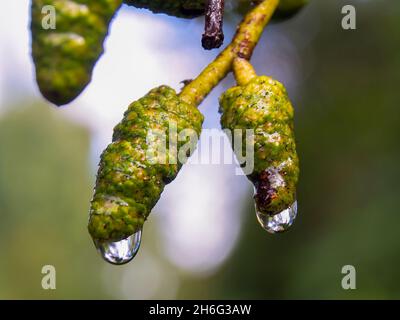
243	71
242	45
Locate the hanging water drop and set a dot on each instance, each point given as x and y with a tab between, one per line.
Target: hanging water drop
279	222
119	252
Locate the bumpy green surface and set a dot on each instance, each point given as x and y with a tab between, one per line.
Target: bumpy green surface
64	57
129	183
263	105
194	8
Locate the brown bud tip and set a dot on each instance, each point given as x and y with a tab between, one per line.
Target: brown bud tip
186	81
212	41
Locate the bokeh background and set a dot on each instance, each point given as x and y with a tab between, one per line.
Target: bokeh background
202	239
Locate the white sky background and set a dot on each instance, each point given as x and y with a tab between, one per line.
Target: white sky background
199	213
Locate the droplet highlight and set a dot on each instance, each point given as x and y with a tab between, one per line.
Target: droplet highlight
119	252
279	222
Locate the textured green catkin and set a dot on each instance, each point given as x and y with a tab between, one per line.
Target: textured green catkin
64	57
129	183
262	104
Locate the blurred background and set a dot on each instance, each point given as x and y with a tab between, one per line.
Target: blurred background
202	240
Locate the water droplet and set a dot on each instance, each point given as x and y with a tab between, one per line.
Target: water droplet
279	222
119	252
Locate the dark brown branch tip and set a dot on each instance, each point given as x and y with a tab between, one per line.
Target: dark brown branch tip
212	41
213	36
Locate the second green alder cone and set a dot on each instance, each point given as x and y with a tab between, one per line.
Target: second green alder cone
261	104
134	168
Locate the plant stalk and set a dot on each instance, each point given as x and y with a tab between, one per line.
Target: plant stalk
243	71
242	45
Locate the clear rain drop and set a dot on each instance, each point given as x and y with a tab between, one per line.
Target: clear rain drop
119	252
279	222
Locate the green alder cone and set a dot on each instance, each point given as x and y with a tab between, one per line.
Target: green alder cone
263	105
129	182
64	57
